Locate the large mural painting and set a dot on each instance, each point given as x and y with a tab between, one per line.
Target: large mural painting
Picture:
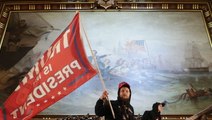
164	56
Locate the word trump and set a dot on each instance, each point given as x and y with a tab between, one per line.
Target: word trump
62	68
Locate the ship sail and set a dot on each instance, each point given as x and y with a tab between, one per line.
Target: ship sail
194	61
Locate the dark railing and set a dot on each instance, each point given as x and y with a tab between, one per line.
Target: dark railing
93	117
202	115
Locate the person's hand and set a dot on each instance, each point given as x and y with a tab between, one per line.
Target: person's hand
104	95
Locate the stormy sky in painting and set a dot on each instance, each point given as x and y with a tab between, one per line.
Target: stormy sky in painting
152	51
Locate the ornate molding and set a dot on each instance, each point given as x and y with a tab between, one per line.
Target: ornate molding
7	8
105	4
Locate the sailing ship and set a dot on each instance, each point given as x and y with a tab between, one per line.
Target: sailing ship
194	61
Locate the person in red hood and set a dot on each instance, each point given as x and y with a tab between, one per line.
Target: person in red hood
122	108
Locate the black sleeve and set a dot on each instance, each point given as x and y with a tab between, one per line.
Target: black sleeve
145	116
133	114
133	111
100	108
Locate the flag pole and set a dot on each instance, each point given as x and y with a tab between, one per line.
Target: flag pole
97	66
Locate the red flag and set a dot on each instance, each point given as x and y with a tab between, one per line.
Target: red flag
63	68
